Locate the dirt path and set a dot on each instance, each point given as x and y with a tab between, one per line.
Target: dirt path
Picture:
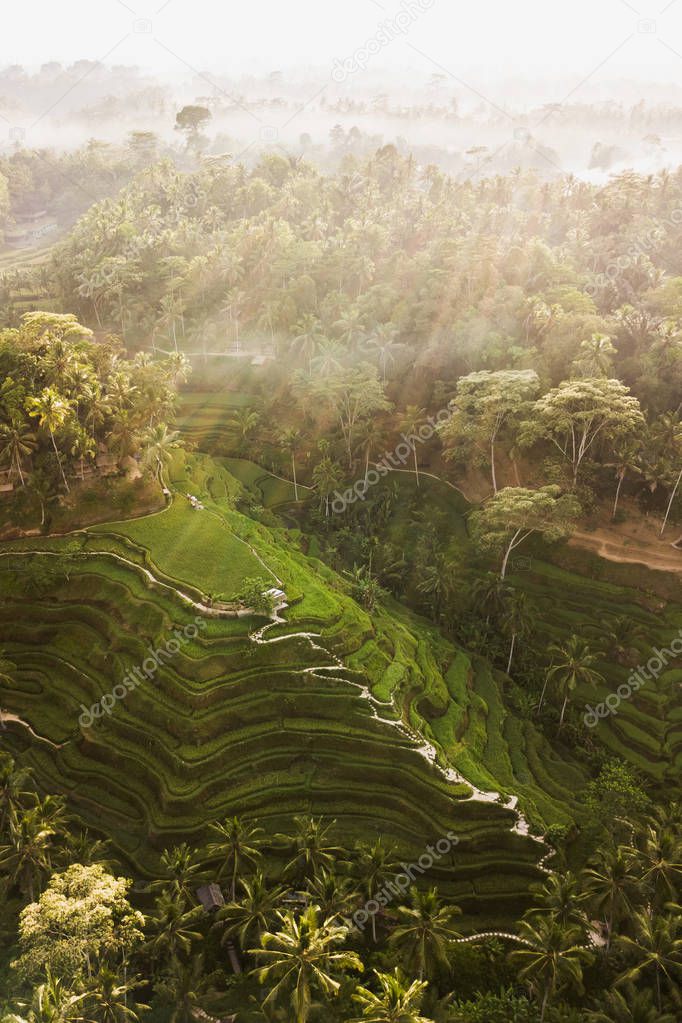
626	549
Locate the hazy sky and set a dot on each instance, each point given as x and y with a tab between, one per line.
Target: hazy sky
602	39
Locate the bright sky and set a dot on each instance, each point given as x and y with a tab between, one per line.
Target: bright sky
605	39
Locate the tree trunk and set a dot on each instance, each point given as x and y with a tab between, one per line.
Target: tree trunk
670	503
293	468
416	464
563	711
233	956
615	503
56	451
511	652
492	464
542	694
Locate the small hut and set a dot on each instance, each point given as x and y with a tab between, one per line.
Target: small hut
211	897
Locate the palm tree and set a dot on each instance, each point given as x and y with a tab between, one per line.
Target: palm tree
572	665
386	346
656	948
628	460
409	424
328	358
173	927
53	1002
334	895
561	896
16	444
52	412
424	931
596	358
237	844
181	872
666	437
107	997
491	595
160	443
326	476
656	859
184	986
308	339
15	792
611	889
399	1001
554	958
302	959
290	440
372	435
517	619
313	849
253	913
28	855
375	864
351	328
244	423
632	1006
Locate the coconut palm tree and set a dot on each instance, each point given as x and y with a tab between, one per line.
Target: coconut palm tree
561	896
302	959
611	889
17	443
237	844
244	423
326	476
655	949
173	927
491	595
28	856
656	859
52	412
184	986
410	422
106	997
628	460
385	344
181	872
517	619
554	957
398	1001
308	339
334	895
350	329
159	445
291	440
16	791
313	849
628	1006
572	665
424	931
253	913
53	1002
375	865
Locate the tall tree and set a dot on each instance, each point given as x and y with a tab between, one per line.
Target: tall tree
484	405
513	514
301	959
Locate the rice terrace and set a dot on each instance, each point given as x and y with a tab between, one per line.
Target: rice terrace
340	546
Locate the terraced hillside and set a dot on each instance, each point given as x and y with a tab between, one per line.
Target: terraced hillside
371	721
590	601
